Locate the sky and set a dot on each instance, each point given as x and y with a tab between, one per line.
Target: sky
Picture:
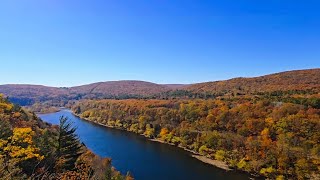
66	43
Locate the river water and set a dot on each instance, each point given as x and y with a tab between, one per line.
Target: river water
144	159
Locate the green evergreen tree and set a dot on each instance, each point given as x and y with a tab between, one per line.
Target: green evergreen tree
69	146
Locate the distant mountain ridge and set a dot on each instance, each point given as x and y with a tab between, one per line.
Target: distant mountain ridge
26	94
284	81
291	80
121	87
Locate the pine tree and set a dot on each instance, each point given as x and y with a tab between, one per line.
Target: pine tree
69	146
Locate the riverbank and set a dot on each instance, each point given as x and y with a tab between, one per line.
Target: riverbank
46	110
135	154
194	154
219	164
216	163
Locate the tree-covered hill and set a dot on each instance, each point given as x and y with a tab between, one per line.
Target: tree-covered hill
258	135
26	95
299	80
302	81
292	82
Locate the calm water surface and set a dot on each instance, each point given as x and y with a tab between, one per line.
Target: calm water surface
144	159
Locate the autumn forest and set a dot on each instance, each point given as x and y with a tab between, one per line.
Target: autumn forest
267	126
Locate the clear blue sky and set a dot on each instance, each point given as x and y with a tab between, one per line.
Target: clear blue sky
73	42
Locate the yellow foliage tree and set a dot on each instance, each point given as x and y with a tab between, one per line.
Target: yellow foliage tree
21	145
163	133
150	132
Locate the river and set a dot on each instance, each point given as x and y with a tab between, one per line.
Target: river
146	160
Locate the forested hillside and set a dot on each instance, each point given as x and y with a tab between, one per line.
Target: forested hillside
32	149
121	88
27	95
299	80
260	135
292	82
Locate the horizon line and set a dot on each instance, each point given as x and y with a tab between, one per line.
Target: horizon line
158	83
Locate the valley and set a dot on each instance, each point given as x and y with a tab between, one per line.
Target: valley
266	126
